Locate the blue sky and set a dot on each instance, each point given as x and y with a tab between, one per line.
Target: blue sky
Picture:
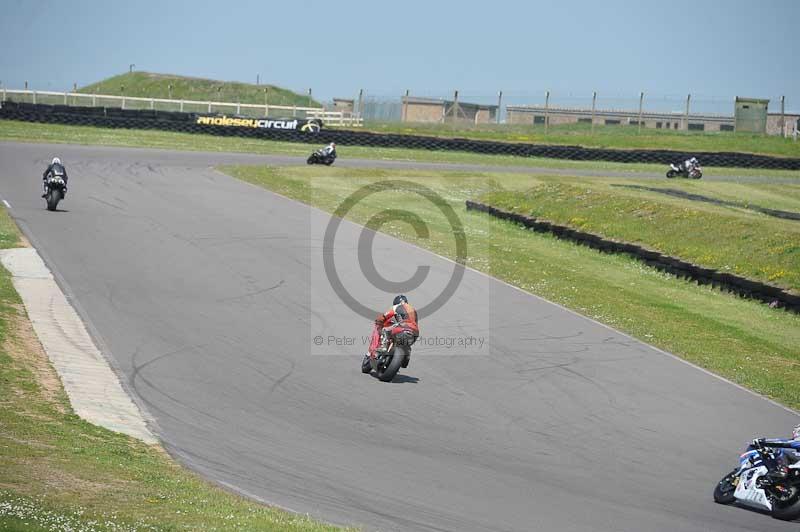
714	49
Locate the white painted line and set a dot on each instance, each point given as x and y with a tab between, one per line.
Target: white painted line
7	204
92	386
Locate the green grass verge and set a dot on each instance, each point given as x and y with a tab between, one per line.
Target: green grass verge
730	239
619	137
9	233
150	85
742	340
55	133
58	472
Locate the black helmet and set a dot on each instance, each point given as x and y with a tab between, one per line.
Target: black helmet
399	299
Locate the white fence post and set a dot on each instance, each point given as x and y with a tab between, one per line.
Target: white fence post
181	106
65	98
34	97
238	108
209	107
123	102
152	103
94	100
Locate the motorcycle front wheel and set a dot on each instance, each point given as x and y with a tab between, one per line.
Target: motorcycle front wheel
388	371
671	174
366	367
723	492
53	198
310	160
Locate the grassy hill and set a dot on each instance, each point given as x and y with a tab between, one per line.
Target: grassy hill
149	85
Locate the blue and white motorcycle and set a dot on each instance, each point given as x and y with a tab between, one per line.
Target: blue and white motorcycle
768	478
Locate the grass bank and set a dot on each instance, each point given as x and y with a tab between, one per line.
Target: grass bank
12	130
58	472
742	340
172	86
731	239
618	137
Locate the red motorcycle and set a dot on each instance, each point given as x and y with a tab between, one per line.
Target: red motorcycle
385	365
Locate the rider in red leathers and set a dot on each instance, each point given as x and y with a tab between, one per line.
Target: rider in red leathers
399	323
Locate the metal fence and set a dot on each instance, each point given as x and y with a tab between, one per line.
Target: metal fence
382	105
77	99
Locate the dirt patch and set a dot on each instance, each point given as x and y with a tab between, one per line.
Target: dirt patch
31	443
23	345
61	481
48	475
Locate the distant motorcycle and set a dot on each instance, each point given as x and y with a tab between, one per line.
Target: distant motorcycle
55	191
385	365
320	157
680	170
775	489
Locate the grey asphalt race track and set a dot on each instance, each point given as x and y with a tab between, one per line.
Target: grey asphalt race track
152	156
206	292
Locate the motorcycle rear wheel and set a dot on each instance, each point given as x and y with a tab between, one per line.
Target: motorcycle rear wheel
787	510
723	491
387	373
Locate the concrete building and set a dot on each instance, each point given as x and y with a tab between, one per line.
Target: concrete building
432	110
785	124
750	114
535	115
344	105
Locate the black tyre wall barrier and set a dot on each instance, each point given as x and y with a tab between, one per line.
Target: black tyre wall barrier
775	296
187	122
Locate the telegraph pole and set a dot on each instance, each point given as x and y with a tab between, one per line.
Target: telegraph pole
641	99
686	114
783	117
499	104
546	111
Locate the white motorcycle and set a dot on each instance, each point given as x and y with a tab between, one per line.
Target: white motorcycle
767	479
675	170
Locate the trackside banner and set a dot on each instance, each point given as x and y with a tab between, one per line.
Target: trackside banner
311	126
